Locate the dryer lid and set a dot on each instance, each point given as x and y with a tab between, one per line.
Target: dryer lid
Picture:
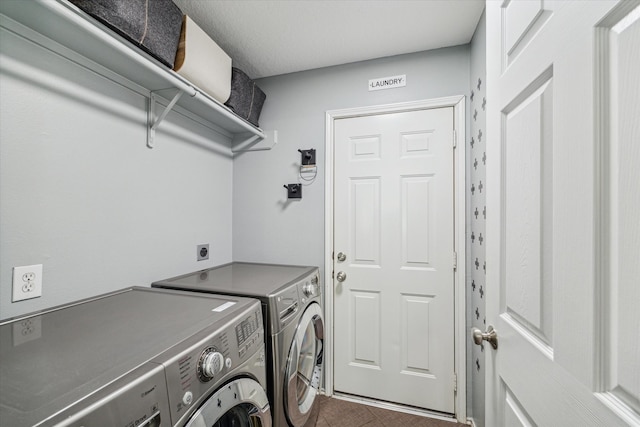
240	278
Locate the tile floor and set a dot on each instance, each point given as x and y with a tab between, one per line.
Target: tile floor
341	413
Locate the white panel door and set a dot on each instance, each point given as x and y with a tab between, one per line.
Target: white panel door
393	221
563	221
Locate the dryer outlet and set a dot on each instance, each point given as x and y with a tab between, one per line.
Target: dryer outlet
203	252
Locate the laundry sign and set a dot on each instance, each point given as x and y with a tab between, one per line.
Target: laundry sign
388	82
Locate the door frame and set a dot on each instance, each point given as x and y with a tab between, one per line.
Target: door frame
460	333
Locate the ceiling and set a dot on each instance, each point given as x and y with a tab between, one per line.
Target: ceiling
271	37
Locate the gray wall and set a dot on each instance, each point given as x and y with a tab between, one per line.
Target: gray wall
81	194
267	227
476	221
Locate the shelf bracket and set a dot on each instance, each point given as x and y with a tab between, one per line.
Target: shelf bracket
247	142
152	121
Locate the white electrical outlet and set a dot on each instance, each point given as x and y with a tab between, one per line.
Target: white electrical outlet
27	282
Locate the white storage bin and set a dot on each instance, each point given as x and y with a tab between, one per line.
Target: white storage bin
201	61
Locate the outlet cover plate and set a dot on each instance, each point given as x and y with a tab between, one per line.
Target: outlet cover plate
203	252
27	282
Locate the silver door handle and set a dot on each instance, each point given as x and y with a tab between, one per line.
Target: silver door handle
341	276
491	336
341	256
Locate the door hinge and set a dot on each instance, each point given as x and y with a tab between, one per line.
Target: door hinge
455	382
455	138
455	260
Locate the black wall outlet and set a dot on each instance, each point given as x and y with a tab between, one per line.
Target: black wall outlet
203	252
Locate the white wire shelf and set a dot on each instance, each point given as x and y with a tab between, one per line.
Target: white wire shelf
68	26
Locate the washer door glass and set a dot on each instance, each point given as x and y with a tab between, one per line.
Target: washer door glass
237	416
304	366
240	403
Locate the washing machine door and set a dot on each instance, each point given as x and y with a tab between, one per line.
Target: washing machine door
240	403
304	366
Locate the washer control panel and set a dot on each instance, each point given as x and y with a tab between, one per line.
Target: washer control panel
210	359
246	335
285	305
311	285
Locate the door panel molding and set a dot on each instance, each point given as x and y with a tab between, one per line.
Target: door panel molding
616	86
415	145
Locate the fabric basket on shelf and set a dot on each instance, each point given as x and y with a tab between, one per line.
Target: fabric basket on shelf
246	99
152	25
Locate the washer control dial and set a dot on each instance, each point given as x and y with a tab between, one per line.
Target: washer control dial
309	289
210	364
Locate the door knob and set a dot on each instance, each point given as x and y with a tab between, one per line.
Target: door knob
491	336
341	276
341	256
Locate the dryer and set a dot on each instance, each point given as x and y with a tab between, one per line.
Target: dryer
291	299
137	357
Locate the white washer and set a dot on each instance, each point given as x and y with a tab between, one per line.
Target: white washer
291	299
137	357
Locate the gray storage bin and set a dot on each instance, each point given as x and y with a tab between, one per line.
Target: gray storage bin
152	25
246	98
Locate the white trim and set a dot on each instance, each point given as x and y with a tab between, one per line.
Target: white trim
458	104
328	259
460	331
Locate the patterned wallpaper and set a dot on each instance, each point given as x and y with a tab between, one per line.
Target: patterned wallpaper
476	235
476	223
478	158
